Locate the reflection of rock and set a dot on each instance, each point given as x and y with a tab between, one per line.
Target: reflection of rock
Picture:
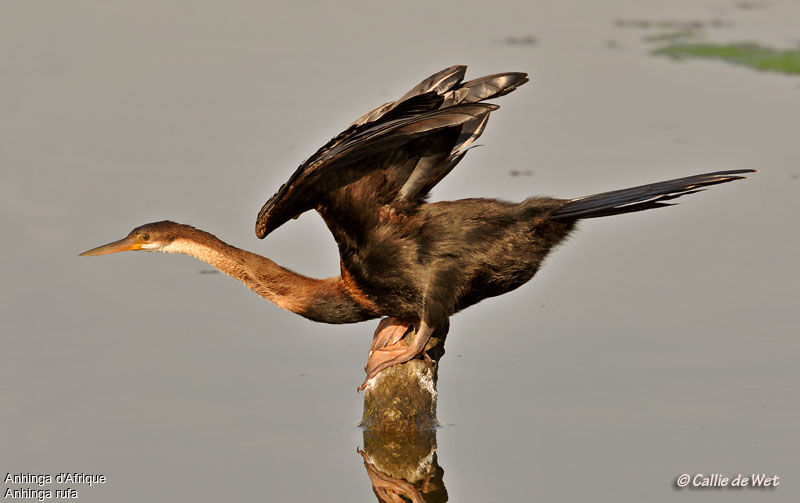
404	467
405	455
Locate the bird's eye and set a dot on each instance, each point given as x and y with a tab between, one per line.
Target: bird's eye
146	237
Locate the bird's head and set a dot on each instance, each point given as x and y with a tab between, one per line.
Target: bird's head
156	236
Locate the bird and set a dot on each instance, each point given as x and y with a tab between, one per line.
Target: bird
411	262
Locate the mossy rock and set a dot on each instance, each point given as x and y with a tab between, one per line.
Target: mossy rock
401	398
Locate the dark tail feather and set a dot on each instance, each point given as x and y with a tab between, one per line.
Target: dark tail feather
644	197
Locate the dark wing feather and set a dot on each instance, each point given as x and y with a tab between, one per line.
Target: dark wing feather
448	78
440	106
485	88
439	82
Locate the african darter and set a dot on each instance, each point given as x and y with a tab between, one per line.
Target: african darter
412	262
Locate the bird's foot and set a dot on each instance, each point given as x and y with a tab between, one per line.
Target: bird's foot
389	348
390	331
388	338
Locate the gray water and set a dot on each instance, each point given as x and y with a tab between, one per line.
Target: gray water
649	346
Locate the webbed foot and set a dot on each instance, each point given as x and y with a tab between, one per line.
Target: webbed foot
389	348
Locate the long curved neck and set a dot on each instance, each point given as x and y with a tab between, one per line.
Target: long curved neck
326	300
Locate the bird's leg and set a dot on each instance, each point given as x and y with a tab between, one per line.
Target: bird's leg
399	352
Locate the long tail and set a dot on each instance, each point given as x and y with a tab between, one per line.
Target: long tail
643	197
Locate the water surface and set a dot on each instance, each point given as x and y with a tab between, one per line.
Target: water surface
650	345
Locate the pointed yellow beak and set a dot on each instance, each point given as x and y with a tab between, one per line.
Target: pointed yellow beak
125	244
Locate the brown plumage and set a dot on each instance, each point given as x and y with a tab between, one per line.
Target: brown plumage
414	262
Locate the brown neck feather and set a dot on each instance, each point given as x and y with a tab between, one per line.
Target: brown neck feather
326	300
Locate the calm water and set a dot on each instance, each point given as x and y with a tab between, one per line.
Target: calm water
649	346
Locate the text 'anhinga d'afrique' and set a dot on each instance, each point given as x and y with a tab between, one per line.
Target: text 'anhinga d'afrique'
412	262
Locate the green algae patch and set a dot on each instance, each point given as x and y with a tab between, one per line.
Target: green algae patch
746	54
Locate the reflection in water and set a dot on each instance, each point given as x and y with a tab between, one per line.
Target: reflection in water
403	467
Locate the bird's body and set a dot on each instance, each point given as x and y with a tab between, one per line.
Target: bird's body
413	262
449	255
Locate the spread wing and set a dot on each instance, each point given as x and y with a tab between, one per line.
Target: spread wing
392	155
